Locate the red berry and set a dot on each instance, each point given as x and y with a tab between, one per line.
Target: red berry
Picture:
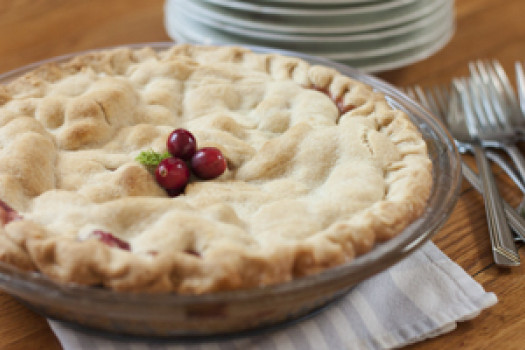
172	174
181	144
208	163
174	192
111	240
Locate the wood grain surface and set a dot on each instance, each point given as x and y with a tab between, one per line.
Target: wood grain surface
36	30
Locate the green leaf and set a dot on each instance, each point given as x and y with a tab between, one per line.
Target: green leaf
151	159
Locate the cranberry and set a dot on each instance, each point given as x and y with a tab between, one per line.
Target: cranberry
175	191
208	163
111	240
181	144
172	174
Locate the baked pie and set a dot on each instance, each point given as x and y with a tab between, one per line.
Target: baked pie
319	169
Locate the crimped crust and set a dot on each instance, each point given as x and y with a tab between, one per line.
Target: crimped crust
320	168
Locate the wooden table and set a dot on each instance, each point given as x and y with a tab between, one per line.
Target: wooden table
34	30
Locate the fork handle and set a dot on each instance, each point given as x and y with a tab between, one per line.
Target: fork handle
517	158
515	220
503	246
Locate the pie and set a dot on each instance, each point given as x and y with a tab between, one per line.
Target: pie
320	168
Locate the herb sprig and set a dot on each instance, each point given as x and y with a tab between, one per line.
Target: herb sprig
150	158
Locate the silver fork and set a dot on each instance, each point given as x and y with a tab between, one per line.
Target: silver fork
497	110
464	125
520	84
436	100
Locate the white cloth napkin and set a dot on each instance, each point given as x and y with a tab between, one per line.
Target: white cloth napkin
423	296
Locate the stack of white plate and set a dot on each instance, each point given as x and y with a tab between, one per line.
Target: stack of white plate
373	35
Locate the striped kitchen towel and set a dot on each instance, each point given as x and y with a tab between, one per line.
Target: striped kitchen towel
423	296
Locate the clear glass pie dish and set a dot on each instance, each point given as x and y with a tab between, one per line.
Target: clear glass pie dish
174	315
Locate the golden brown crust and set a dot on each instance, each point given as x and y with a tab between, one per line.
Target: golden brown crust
320	168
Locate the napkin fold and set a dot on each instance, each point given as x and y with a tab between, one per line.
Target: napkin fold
422	296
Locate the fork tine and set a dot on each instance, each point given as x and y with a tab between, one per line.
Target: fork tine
441	97
497	129
420	94
425	98
431	102
507	104
410	92
498	94
416	92
505	82
482	95
520	82
473	101
469	97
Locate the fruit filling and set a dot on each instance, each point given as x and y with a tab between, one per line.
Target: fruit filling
192	252
110	240
338	101
7	214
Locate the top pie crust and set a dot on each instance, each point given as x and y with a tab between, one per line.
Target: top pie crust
320	168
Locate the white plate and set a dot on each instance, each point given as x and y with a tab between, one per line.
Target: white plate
313	2
343	9
401	59
375	51
400	45
370	65
197	33
312	25
370	37
302	3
